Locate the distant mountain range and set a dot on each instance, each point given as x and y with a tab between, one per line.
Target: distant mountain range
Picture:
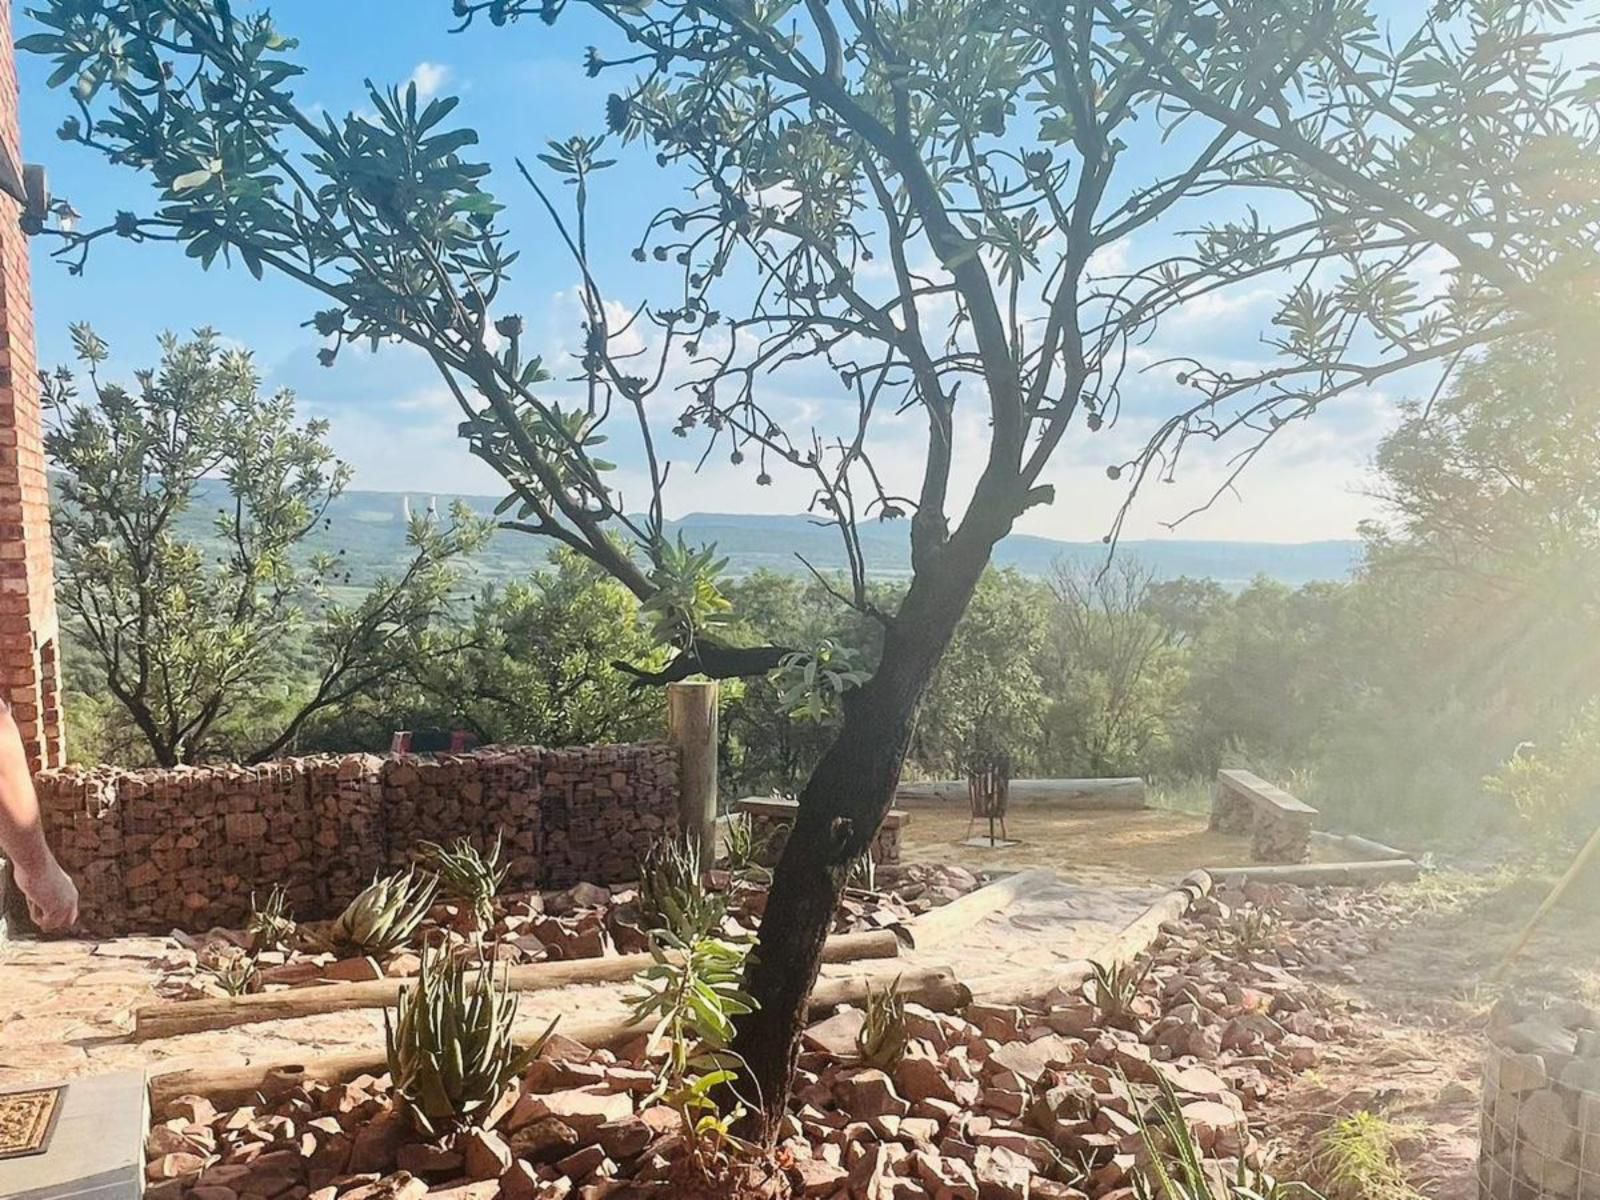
369	528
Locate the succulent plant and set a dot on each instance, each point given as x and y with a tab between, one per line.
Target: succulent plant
882	1039
1117	986
467	874
271	926
236	974
672	891
385	915
743	850
863	873
450	1046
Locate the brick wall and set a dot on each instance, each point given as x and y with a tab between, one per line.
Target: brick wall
30	673
184	847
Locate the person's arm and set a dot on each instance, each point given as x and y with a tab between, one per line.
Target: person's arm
52	897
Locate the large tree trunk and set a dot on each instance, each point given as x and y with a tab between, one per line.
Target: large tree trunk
840	810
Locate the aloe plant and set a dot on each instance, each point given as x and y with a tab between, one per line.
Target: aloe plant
271	925
1175	1168
237	974
1117	986
385	915
467	874
882	1039
672	893
450	1046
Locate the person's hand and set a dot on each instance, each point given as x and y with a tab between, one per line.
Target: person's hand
51	894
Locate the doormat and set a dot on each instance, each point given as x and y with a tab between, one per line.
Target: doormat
27	1120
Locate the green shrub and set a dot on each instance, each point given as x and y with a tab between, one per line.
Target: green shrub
1556	792
691	994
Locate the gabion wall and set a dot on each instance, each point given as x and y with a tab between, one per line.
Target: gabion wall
184	848
1540	1128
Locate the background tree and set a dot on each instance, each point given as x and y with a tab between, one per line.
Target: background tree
1115	671
986	699
192	638
538	669
979	149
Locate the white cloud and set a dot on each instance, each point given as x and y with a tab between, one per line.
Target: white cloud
429	78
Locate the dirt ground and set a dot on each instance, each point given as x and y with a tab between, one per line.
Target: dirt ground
1422	1002
1148	845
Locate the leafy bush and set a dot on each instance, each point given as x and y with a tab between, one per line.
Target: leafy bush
450	1047
385	915
691	993
467	874
1556	793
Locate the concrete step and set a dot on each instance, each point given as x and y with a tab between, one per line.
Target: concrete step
96	1151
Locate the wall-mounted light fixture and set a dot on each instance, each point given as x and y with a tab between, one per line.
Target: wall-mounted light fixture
29	188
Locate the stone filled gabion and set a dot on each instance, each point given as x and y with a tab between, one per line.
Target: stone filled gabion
1540	1122
185	847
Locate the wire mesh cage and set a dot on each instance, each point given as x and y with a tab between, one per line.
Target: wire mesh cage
1540	1123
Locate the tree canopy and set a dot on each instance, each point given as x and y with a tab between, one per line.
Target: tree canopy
192	637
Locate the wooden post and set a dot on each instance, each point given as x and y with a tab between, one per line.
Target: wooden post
692	728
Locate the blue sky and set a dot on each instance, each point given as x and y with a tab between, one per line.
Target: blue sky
519	87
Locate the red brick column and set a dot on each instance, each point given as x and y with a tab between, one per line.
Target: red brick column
30	669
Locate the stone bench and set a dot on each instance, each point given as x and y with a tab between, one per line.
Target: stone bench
1279	825
771	818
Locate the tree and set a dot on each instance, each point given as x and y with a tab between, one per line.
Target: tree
538	668
1115	672
187	631
984	152
984	704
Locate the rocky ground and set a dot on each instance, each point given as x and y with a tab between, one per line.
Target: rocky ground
585	921
999	1103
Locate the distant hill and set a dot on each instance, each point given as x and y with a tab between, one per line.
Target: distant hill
369	528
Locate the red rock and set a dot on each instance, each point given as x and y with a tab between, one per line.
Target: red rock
1000	1022
522	1182
1002	1174
946	1178
814	1177
868	1093
399	1186
623	1139
1031	1059
353	970
1035	1149
429	1161
377	1141
195	1110
485	1154
836	1035
174	1165
583	1109
582	1163
921	1079
872	1176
